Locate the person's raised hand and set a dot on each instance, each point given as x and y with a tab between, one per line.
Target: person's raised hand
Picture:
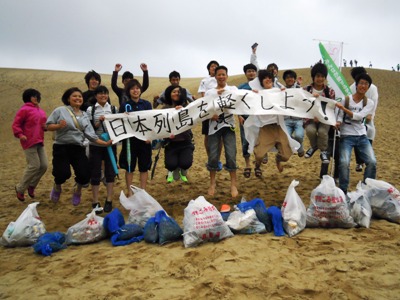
143	66
118	67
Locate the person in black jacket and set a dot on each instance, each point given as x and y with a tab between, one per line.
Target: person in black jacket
126	77
93	80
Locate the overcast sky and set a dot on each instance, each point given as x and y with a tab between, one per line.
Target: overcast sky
184	35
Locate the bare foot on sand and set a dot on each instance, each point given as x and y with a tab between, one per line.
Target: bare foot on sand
234	192
211	190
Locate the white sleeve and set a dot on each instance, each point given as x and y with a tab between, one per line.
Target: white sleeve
367	110
253	60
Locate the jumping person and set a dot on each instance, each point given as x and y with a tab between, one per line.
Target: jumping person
71	126
250	71
271	129
316	131
28	126
294	125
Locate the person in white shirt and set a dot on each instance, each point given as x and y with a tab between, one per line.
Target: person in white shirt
372	94
271	130
353	133
206	84
222	130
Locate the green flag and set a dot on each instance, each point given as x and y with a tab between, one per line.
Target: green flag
335	77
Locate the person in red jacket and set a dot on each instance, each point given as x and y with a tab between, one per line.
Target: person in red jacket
29	126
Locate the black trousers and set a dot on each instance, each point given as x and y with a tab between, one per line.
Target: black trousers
96	156
179	155
65	156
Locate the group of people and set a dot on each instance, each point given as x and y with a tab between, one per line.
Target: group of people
355	63
78	126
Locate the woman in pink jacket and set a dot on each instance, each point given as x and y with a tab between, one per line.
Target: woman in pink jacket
28	127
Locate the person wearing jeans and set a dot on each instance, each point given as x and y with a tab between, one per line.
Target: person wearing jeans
222	130
353	132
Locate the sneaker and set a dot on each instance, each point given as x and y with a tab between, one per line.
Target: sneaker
170	177
76	199
300	153
359	167
108	206
310	152
31	191
183	177
20	196
55	195
324	157
219	166
98	209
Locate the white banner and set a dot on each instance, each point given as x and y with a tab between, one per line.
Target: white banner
161	123
335	52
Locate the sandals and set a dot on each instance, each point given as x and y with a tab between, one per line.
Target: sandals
247	172
257	172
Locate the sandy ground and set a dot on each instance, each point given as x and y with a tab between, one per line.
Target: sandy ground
354	263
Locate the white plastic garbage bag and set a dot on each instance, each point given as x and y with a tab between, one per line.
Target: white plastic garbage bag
294	212
142	206
25	230
202	222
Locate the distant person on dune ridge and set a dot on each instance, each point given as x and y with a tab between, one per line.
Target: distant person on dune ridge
120	92
28	126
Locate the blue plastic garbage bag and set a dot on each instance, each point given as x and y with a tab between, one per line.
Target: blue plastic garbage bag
261	211
168	229
225	215
113	221
150	231
129	231
121	234
276	217
49	243
162	229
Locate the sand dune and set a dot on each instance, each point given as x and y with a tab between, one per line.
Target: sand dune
354	263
